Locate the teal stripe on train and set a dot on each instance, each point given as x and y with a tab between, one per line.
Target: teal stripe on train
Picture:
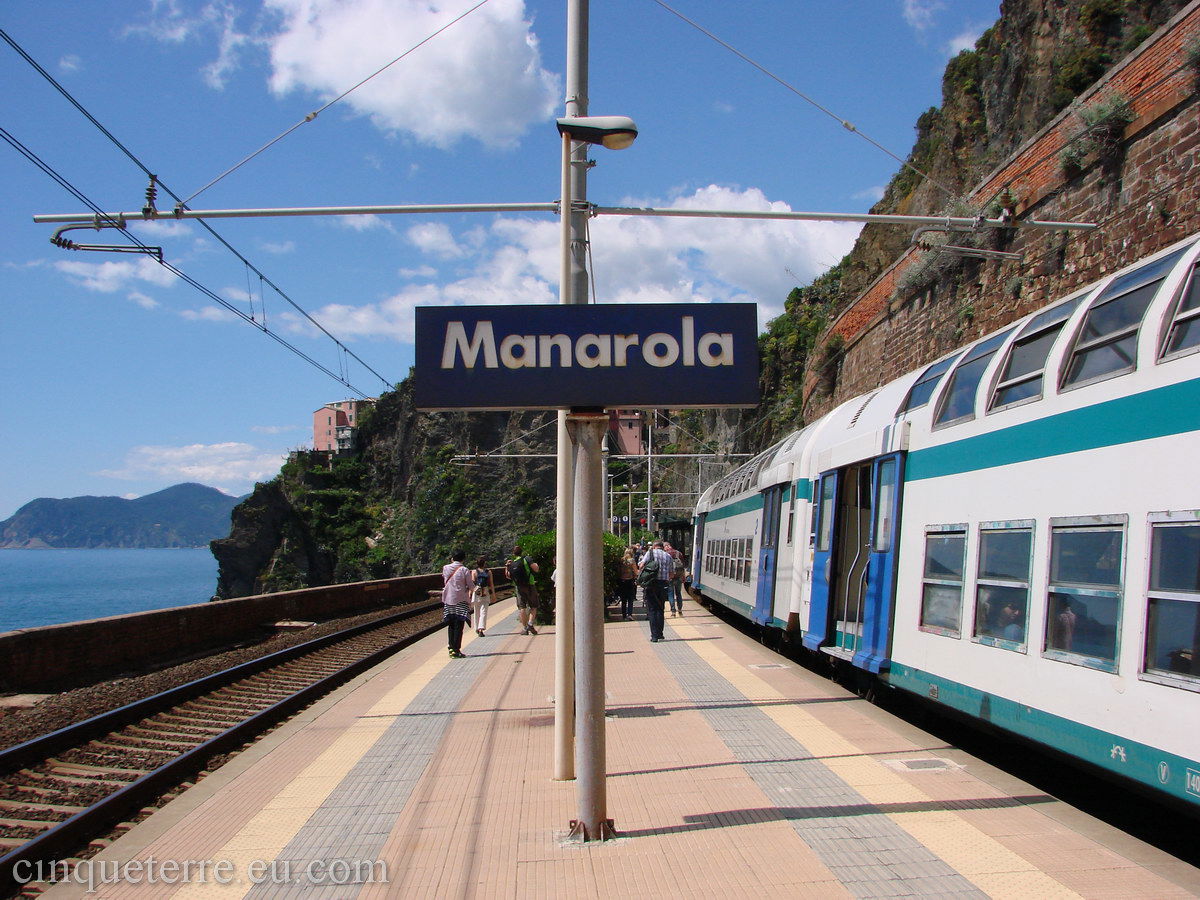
1174	409
753	504
1176	775
738	606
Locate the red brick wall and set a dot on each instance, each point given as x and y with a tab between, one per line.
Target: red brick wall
1147	201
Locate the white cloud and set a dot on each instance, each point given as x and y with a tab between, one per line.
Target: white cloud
279	248
208	314
143	301
363	223
109	277
273	429
436	239
69	64
920	13
168	22
485	67
230	466
874	193
964	40
417	272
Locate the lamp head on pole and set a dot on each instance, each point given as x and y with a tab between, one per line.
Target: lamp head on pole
613	132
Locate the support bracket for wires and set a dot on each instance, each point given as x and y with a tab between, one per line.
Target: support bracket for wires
97	224
958	250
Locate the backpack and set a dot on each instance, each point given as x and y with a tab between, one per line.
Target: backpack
518	570
649	572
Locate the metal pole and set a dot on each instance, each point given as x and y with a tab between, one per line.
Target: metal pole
650	473
587	435
573	289
564	612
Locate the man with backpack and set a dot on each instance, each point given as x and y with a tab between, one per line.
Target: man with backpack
520	572
654	575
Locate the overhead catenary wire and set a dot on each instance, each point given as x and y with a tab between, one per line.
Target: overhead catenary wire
312	115
137	242
845	123
156	180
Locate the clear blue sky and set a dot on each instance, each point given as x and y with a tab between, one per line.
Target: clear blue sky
119	379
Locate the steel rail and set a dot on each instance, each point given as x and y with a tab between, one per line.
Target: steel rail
74	832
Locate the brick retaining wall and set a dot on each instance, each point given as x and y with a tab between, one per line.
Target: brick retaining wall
1145	198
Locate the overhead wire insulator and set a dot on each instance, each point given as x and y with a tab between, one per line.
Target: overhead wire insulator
151	195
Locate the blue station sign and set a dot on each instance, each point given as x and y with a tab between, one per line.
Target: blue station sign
643	355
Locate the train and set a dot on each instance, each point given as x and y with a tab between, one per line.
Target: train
1009	532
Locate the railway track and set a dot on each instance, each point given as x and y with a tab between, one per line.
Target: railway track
64	790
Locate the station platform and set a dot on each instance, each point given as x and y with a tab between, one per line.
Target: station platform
732	773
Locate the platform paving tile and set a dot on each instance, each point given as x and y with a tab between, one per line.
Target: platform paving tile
724	781
857	868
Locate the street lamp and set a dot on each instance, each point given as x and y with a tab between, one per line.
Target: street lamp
613	132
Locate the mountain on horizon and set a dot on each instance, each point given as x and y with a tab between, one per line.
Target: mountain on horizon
184	515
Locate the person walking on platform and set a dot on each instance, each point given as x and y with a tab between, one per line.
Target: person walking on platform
655	577
675	588
456	601
626	585
482	596
520	572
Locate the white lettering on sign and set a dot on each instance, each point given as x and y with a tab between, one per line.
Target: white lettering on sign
1192	782
590	351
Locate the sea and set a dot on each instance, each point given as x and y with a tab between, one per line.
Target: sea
48	587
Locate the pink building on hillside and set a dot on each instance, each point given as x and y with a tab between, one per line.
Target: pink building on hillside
335	425
625	431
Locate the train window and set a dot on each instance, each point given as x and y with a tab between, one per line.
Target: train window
1107	342
1082	621
1021	378
1002	585
926	384
825	521
958	400
1173	614
941	597
1184	335
885	507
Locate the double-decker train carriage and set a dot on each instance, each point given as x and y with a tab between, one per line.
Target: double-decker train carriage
1012	531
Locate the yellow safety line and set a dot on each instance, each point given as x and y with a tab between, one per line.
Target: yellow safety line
976	856
277	823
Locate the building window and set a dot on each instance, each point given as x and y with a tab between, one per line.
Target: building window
1002	585
1084	612
941	595
1173	603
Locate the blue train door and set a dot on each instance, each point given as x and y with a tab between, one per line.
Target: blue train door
824	519
768	549
873	651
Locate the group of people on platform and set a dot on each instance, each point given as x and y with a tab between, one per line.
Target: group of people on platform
468	592
659	569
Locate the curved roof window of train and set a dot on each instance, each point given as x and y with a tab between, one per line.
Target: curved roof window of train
958	400
1184	335
926	384
1022	376
1107	341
